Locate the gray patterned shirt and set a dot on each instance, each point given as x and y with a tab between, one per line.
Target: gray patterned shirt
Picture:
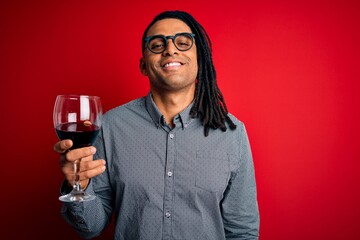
164	183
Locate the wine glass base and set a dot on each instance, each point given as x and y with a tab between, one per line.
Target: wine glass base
76	197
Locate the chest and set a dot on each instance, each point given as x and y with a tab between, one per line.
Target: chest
159	159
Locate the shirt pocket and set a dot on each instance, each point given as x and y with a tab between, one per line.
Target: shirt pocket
212	171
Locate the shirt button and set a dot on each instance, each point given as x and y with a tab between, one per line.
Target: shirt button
167	214
171	135
169	174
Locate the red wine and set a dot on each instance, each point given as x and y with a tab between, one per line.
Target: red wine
82	134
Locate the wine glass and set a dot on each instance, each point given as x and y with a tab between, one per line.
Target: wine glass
77	117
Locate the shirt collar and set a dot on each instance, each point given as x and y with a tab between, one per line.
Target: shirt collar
158	117
184	116
153	110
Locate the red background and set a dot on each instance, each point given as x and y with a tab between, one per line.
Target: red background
290	71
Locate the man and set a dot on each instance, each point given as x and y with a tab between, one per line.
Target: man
173	171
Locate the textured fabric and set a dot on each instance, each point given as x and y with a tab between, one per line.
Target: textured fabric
165	183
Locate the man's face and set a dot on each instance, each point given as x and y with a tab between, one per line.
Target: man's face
172	70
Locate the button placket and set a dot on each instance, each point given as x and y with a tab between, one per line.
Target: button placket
169	185
171	136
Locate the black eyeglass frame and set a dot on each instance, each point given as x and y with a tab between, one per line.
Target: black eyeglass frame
165	40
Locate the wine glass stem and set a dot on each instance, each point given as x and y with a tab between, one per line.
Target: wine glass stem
77	186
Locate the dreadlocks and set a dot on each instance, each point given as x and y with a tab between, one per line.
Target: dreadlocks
209	104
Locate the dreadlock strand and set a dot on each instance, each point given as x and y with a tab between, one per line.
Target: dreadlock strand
231	123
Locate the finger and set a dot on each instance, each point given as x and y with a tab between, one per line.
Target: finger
68	168
85	154
66	163
85	174
89	165
63	146
92	172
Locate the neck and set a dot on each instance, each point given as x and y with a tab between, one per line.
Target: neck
171	104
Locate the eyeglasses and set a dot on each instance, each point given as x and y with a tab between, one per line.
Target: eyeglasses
158	43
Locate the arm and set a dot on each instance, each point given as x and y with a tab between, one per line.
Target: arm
91	217
239	206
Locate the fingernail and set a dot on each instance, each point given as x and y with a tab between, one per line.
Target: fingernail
92	150
104	162
67	144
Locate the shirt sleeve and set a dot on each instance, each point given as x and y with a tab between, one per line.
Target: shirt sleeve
239	206
90	218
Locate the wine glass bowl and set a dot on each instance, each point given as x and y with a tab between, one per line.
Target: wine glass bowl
78	118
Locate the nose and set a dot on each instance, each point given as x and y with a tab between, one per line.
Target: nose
170	48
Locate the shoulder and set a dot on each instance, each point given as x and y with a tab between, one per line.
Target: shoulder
126	108
239	124
240	133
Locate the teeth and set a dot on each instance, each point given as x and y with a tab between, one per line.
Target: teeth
172	64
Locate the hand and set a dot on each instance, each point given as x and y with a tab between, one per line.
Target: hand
88	167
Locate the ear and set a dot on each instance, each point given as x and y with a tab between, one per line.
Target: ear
143	67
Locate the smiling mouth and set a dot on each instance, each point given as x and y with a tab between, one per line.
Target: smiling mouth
172	64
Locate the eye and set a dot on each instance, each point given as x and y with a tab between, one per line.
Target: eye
183	41
156	44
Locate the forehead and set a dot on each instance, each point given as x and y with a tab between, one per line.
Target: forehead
169	26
